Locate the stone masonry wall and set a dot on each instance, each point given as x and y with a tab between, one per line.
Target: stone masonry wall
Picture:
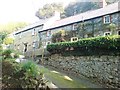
101	68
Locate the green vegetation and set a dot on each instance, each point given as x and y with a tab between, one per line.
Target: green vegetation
88	46
62	36
60	79
20	75
76	7
8	40
2	36
12	26
9	53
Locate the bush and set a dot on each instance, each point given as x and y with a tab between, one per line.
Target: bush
88	45
62	36
31	75
7	54
24	75
9	70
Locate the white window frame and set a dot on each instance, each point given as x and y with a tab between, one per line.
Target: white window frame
34	44
107	33
33	32
75	26
105	17
48	33
74	39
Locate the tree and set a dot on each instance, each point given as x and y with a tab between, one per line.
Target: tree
111	1
12	26
78	7
8	40
48	10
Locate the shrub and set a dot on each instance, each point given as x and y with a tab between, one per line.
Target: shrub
62	36
88	45
31	74
24	75
9	70
8	53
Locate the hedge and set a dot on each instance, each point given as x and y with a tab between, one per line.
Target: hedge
101	43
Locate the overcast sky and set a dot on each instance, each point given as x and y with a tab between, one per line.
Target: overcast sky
22	10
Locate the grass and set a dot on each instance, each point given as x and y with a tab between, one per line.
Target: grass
63	81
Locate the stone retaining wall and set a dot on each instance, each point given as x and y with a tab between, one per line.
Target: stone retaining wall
101	68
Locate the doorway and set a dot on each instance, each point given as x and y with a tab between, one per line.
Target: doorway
25	47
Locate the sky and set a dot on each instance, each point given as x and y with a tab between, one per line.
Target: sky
23	10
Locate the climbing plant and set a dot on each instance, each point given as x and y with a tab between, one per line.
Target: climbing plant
62	36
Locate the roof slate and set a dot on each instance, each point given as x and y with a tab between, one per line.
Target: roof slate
112	8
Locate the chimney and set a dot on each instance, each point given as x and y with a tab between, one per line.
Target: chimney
102	3
52	19
57	15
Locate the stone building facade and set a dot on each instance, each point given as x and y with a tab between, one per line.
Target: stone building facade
99	22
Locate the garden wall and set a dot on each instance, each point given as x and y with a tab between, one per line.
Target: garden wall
104	69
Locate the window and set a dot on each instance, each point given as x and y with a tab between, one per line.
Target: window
48	33
73	39
18	47
107	33
107	19
34	44
43	35
75	26
33	32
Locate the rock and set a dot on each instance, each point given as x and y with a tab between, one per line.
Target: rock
116	69
111	77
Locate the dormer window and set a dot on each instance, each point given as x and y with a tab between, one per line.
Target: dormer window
107	19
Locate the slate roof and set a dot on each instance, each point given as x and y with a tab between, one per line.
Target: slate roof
36	24
109	9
